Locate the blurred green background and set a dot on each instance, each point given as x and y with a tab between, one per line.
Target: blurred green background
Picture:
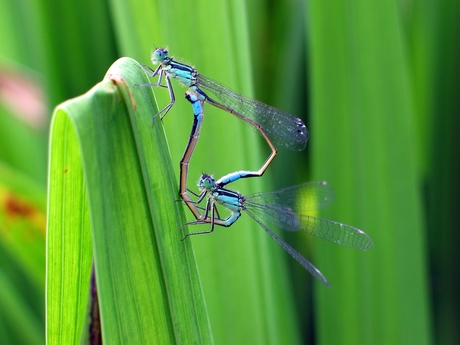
377	84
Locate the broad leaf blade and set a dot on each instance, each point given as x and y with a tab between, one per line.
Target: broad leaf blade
147	283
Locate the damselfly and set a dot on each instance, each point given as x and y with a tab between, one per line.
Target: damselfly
275	126
285	208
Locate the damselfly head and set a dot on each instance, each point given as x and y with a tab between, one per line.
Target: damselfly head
159	55
206	182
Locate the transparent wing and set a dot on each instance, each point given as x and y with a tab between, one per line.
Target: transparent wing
301	198
295	254
282	128
328	230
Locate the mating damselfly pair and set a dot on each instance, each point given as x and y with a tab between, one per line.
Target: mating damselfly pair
286	208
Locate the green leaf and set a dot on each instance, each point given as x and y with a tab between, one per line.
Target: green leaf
365	146
112	197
